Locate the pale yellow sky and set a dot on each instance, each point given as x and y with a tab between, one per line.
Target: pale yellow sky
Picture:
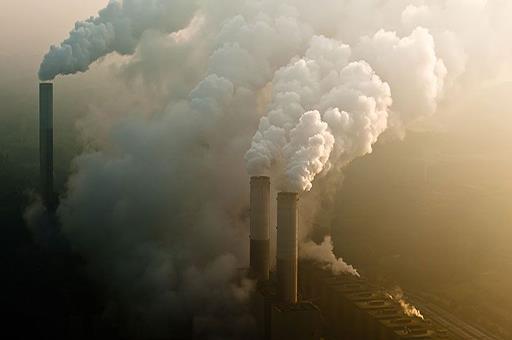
28	27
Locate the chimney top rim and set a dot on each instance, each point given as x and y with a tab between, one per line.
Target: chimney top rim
260	178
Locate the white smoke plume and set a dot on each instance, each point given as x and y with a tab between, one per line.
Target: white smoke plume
354	103
323	255
159	209
325	110
330	106
117	28
149	210
415	93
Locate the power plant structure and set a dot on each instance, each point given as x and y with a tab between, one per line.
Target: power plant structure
278	311
46	144
260	228
287	246
301	300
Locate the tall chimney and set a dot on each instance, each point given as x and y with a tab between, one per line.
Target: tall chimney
46	142
260	227
287	250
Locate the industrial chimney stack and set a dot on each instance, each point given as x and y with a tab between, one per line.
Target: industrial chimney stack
46	142
287	248
260	227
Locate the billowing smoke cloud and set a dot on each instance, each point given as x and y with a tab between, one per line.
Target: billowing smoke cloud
417	92
354	104
324	110
323	255
330	106
160	209
117	28
150	210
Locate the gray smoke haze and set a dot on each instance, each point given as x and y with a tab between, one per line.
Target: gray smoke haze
160	208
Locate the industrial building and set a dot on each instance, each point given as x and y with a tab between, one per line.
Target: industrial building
303	301
278	311
300	300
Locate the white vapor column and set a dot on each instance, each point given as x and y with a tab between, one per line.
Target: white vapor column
260	227
287	246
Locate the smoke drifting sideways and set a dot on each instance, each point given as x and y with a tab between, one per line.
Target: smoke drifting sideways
159	210
117	28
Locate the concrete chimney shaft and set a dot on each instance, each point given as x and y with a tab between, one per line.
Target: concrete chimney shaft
287	248
260	227
46	142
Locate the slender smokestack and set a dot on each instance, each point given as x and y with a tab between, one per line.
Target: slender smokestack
46	142
260	228
287	250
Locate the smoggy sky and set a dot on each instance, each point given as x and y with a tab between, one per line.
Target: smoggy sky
50	21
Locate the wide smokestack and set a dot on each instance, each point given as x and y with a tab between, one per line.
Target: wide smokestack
46	142
260	227
287	249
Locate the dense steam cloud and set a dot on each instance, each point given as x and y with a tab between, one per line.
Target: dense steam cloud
117	28
297	88
351	104
321	104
